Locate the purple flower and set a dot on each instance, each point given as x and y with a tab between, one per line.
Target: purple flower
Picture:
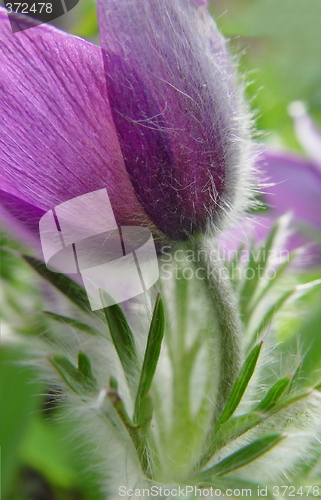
58	139
168	136
294	187
296	181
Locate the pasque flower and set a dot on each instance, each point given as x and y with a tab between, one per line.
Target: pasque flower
156	117
168	135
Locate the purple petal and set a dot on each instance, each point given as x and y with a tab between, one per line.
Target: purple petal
23	211
21	220
307	131
172	94
293	187
201	2
58	139
296	186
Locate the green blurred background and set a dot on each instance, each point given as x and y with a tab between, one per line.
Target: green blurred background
278	46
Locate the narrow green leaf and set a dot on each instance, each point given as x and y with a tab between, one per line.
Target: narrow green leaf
271	312
153	347
235	427
80	380
257	264
231	429
270	241
289	401
234	399
249	285
294	378
65	285
243	456
273	395
309	338
68	372
231	265
84	368
73	323
318	387
278	274
123	340
240	385
252	293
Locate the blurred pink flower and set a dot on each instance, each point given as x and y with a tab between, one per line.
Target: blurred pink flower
293	185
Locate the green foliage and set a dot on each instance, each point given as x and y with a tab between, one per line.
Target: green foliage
80	380
65	285
252	291
240	385
310	342
18	401
73	323
242	457
153	347
59	459
227	428
273	395
258	299
280	45
230	430
123	340
262	299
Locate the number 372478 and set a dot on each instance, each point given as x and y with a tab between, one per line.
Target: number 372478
292	491
24	8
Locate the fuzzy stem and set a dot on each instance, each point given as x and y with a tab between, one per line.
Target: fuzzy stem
222	297
137	438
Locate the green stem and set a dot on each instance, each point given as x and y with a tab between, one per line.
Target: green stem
215	277
139	440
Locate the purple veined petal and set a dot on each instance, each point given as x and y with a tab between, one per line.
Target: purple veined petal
57	135
172	94
307	131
